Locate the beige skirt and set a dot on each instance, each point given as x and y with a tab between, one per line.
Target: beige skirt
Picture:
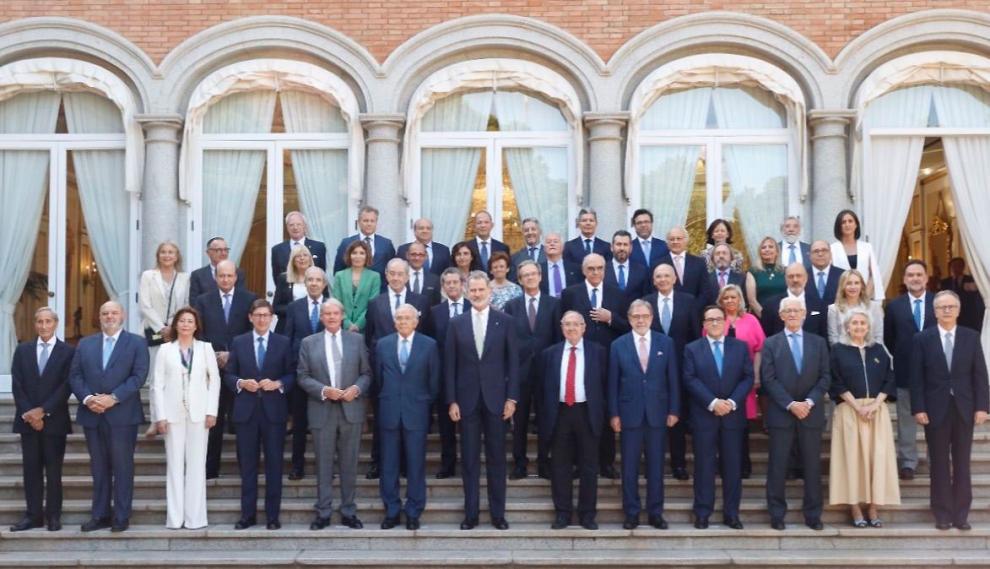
863	466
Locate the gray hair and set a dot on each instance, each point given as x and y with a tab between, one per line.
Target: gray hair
406	308
790	300
47	309
586	211
639	303
316	270
527	263
479	276
292	213
392	264
452	271
946	292
591	257
332	302
847	317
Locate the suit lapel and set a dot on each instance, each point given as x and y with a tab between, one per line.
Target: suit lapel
493	324
118	346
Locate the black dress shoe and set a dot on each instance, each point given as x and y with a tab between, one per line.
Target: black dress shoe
389	523
412	523
943	525
518	474
746	473
561	521
296	475
544	473
54	524
814	524
469	523
906	474
445	473
274	524
319	523
26	524
500	523
701	523
352	522
777	524
372	473
658	522
631	522
794	474
212	475
963	526
245	523
609	472
95	524
589	523
118	527
681	473
733	523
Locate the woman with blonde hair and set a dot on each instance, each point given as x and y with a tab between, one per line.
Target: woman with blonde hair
291	285
765	279
853	293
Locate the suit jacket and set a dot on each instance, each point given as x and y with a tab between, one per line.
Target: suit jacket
405	397
815	319
283	298
201	281
441	256
471	380
899	331
281	252
356	302
533	342
523	255
203	395
278	366
298	324
866	264
48	390
493	246
935	385
639	397
705	384
638	281
576	298
384	252
658	249
831	285
734	277
695	281
785	253
156	308
782	382
570	276
218	332
380	322
313	374
574	249
126	372
429	287
595	380
684	320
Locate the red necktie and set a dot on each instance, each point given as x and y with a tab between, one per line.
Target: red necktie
569	387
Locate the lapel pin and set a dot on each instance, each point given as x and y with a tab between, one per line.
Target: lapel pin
876	360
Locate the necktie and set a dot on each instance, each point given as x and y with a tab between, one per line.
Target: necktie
43	358
416	282
226	307
404	354
371	246
531	313
532	253
398	301
643	353
261	353
484	254
455	309
314	316
429	254
570	387
479	334
717	352
107	350
645	245
665	316
558	285
821	284
948	347
594	298
335	355
587	246
622	277
793	257
917	314
796	351
679	267
721	280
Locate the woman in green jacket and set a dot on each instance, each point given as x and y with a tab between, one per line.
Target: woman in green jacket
356	285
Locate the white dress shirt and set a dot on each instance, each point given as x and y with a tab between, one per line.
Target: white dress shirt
579	393
598	294
327	339
371	244
549	276
615	268
450	306
711	344
911	299
398	345
785	252
391	299
670	303
41	346
800	340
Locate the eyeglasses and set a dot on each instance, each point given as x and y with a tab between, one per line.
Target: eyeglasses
792	311
714	320
219	249
947	307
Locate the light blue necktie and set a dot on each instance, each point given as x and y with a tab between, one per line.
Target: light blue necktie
314	316
398	300
43	358
261	353
793	257
622	277
107	350
717	352
821	284
226	307
594	298
645	245
917	314
404	354
796	351
484	255
665	316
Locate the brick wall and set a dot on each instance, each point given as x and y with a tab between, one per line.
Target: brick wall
157	26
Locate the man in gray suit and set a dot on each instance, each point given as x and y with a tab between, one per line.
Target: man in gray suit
335	373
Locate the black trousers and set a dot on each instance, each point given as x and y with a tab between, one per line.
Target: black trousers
483	421
949	447
528	404
298	400
448	436
573	440
809	444
42	456
214	445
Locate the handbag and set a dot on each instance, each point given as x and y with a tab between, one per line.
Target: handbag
154	337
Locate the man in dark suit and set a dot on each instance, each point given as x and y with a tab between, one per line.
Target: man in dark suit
382	250
295	226
905	316
557	273
260	371
532	245
437	254
823	278
204	279
647	250
795	374
815	320
723	275
302	320
225	315
587	242
40	385
644	400
573	398
949	394
973	307
718	374
108	370
483	244
407	369
691	270
440	317
630	278
603	308
677	317
792	249
421	280
537	318
482	387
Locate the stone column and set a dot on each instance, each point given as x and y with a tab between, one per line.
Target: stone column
159	198
829	169
383	185
605	170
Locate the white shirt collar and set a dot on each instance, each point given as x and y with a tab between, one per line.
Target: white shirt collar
362	236
638	336
617	264
536	296
792	295
410	338
265	336
480	240
115	336
482	313
51	343
942	331
914	298
600	287
297	241
799	333
816	270
661	296
711	341
579	345
311	300
328	335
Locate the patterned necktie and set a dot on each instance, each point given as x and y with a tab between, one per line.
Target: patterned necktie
532	253
371	247
416	284
679	267
570	384
717	352
398	301
43	358
484	254
821	284
587	246
429	254
665	316
226	307
558	284
622	277
721	280
455	308
261	353
107	350
594	298
314	316
793	258
531	313
796	351
404	354
643	353
948	347
917	314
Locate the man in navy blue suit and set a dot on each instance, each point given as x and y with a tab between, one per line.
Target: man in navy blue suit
630	278
260	371
573	396
718	374
204	279
421	280
587	242
691	270
823	276
949	395
558	274
532	248
644	400
440	317
437	254
647	250
723	275
815	320
108	370
482	387
295	226
382	250
484	245
407	369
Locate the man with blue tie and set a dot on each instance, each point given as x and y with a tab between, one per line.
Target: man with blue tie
108	370
718	375
907	315
792	249
382	250
823	276
794	370
437	254
484	245
630	278
558	274
482	387
587	242
644	400
407	369
260	371
532	249
647	250
295	227
440	317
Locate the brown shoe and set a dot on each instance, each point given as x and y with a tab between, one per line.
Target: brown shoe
906	474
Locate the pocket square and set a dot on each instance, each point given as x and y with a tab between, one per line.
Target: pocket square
876	360
815	313
659	354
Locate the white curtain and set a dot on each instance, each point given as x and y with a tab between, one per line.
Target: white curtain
448	174
321	175
101	183
539	178
23	187
232	178
519	111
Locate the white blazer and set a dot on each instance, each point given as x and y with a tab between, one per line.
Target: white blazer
866	264
167	383
153	297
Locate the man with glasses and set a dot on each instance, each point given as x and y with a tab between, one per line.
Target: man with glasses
815	317
204	279
823	283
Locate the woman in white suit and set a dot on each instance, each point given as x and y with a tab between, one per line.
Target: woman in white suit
850	252
186	390
161	292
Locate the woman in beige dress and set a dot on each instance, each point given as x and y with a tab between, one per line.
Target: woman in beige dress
863	467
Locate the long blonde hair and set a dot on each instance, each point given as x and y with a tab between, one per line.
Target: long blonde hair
757	261
865	294
291	276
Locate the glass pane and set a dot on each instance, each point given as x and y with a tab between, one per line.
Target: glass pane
960	106
697	216
534	184
459	113
902	108
85	291
308	112
253	260
519	111
316	184
667	181
247	112
448	177
755	193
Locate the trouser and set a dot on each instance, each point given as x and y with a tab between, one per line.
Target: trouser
949	448
907	431
111	462
412	445
185	487
574	439
636	442
493	427
338	440
809	444
41	463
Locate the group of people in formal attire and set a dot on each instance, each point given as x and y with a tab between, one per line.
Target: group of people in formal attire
582	341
